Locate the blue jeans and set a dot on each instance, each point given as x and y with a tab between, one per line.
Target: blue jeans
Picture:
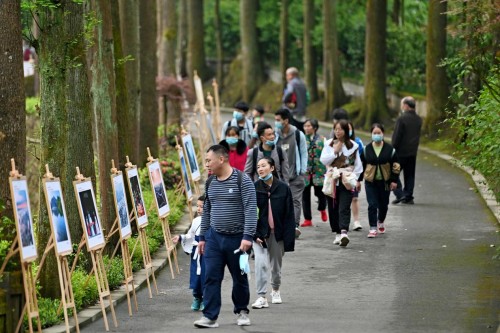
219	253
378	201
408	166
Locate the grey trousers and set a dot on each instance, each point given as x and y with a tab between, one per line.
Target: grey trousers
297	186
265	259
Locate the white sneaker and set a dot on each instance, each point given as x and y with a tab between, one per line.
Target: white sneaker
357	226
276	297
260	303
243	319
204	322
337	240
344	240
297	232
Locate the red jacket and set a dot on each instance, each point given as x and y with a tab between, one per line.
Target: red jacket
238	160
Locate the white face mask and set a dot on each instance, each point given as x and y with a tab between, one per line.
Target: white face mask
244	264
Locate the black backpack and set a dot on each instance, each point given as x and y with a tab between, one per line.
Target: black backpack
211	178
256	152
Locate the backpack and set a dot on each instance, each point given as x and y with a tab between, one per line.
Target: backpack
211	178
256	152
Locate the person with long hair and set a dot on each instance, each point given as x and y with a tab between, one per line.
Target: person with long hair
237	148
340	155
381	174
275	233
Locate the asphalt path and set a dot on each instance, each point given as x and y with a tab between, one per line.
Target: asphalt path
433	271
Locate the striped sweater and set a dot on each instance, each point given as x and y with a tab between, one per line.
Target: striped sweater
228	211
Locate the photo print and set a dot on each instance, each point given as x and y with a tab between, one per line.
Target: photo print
187	185
137	198
57	216
121	205
24	220
187	141
89	215
158	188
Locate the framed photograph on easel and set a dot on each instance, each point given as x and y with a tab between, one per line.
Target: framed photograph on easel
121	206
89	215
158	187
185	176
23	218
137	197
194	169
57	216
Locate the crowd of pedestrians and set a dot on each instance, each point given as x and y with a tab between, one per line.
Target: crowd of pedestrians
260	186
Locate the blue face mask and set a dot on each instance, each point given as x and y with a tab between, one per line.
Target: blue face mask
350	133
244	264
377	137
266	177
238	115
231	141
255	135
278	125
270	143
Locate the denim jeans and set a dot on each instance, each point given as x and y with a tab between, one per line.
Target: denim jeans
378	201
306	200
408	165
339	210
219	253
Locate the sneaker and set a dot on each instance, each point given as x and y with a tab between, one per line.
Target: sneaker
324	217
381	227
357	226
297	232
337	240
372	234
307	223
276	297
204	322
398	200
260	303
243	319
408	201
344	240
196	305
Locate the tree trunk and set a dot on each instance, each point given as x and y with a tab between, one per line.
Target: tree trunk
253	71
149	69
103	91
122	103
129	19
310	69
181	53
396	12
218	44
196	44
375	103
283	42
12	99
436	80
334	91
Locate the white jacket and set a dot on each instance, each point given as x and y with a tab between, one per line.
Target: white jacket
328	155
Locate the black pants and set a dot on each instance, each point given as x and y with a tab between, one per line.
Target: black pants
339	210
306	200
378	201
408	164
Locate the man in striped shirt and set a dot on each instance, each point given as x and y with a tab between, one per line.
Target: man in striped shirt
228	224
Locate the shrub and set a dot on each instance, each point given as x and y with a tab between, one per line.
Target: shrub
84	289
114	271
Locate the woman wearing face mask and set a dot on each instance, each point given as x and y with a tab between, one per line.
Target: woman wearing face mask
241	121
275	233
237	148
341	153
381	173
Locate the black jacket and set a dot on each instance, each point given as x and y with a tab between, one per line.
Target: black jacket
406	136
387	162
283	213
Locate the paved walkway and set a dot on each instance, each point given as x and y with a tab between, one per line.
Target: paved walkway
431	272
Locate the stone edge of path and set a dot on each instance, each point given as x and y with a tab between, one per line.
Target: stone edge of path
93	313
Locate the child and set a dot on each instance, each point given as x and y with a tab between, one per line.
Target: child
189	243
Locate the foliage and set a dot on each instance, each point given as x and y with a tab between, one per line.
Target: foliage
31	105
84	289
114	271
47	308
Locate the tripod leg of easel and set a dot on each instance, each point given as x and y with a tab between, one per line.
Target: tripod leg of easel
129	274
167	238
105	285
68	294
62	283
99	289
150	263
144	246
125	259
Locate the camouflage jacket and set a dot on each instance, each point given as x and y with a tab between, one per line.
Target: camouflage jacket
315	169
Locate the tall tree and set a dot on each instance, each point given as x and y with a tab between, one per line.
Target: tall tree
182	37
218	44
65	116
397	12
129	19
375	103
284	41
122	103
436	79
104	91
310	69
12	112
149	70
196	43
253	71
334	91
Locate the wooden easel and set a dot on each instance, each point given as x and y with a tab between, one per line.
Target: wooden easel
196	182
29	281
167	236
189	199
127	261
143	239
216	121
99	269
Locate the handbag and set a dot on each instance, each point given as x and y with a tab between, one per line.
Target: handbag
331	176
